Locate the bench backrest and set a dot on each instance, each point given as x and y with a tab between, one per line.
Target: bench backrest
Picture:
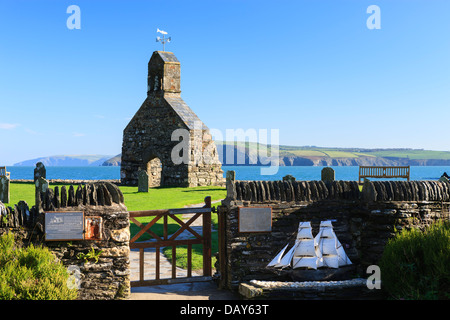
3	172
384	172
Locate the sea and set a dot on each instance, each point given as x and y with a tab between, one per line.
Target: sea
242	172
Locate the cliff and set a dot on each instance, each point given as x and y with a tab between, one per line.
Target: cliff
360	161
322	161
240	153
113	162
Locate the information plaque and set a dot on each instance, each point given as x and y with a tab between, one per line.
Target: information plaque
64	226
255	219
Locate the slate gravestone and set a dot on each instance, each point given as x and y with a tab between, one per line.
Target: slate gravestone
4	189
369	192
289	177
328	174
40	171
142	181
231	188
41	186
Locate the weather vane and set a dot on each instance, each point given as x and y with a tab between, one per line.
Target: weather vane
163	40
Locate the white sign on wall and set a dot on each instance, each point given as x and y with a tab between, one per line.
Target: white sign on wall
255	219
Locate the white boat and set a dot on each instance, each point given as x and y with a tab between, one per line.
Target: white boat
323	250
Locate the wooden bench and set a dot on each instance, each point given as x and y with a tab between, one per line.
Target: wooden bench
384	172
3	172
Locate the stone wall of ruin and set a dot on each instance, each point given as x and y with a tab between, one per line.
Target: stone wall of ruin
149	136
154	132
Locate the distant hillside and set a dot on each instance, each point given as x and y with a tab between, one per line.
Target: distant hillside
67	160
114	161
318	156
245	154
322	156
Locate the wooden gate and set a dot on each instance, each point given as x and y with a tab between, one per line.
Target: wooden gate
166	240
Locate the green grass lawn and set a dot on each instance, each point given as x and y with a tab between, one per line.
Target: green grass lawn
21	191
24	192
169	198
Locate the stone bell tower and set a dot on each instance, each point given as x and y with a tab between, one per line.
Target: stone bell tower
163	73
148	140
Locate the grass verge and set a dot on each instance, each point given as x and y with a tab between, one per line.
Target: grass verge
415	264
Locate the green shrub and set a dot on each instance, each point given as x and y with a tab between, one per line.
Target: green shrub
31	273
415	264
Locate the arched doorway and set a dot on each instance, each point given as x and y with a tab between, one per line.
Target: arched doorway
154	170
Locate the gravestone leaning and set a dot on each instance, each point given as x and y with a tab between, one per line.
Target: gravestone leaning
41	186
142	181
40	171
231	188
328	174
4	189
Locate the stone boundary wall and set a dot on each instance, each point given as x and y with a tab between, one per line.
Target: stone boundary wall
90	194
67	181
109	277
363	221
262	191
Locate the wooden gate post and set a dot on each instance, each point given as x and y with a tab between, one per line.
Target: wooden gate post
222	248
207	269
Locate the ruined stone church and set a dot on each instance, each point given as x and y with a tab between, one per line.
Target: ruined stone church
151	142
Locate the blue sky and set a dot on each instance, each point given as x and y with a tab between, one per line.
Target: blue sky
311	69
